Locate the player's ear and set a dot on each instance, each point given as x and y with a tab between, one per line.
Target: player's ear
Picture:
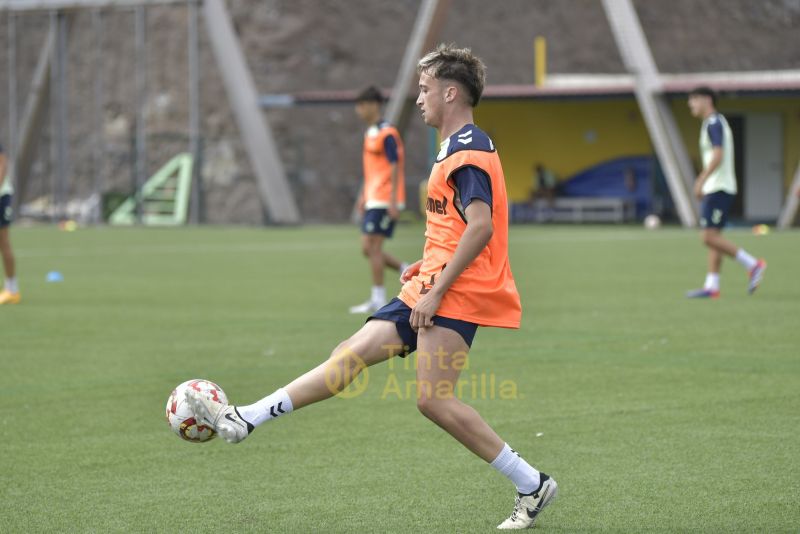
450	93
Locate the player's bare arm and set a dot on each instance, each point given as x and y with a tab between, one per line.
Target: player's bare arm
475	238
392	210
3	165
716	159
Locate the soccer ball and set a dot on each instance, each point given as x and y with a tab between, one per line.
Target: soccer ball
180	417
652	221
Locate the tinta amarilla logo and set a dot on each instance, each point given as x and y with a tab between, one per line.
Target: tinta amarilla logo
347	376
436	206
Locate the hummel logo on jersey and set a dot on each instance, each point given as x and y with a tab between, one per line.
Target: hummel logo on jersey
427	287
436	206
465	138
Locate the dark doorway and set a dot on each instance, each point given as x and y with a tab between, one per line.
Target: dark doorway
736	122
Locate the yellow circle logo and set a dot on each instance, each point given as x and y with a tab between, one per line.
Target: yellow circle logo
346	374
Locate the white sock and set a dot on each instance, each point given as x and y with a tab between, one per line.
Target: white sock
520	472
379	295
746	259
269	407
11	285
712	282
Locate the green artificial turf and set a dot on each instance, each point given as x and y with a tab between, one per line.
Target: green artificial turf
654	413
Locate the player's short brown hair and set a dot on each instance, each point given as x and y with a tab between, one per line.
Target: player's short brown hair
460	65
370	94
704	90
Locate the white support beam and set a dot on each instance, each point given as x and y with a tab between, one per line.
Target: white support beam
638	59
276	195
789	211
64	5
431	16
33	115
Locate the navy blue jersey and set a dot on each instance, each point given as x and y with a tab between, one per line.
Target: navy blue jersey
715	132
472	183
390	148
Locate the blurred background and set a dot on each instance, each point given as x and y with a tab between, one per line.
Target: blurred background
586	102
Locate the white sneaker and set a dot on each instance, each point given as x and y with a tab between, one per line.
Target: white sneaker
527	507
223	418
756	275
367	307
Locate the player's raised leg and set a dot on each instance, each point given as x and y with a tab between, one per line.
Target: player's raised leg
441	355
375	342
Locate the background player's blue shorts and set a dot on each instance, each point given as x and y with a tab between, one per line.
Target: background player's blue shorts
377	221
5	210
400	314
714	209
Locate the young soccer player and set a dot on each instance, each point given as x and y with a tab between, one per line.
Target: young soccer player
716	187
10	293
463	281
384	193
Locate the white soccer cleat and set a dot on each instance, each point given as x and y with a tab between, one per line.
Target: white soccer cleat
755	276
527	507
223	418
366	307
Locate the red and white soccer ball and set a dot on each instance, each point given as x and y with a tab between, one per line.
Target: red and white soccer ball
181	418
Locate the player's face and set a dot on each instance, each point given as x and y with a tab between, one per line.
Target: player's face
431	100
697	105
368	111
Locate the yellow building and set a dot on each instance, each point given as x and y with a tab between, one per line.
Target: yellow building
572	130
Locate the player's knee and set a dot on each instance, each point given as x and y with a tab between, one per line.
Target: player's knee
339	348
425	406
346	358
707	238
430	406
368	247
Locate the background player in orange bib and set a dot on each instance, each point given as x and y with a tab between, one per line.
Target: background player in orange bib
384	193
463	281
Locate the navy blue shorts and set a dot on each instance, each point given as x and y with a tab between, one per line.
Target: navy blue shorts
5	210
400	314
715	208
377	221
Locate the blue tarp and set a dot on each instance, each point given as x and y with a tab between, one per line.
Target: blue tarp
608	179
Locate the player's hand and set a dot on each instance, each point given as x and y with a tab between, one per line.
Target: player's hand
393	212
422	314
410	272
698	189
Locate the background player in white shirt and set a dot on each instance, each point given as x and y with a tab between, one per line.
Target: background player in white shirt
715	186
